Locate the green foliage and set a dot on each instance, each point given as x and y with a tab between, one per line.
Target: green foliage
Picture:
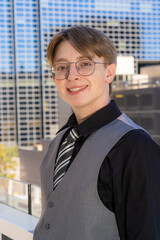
7	162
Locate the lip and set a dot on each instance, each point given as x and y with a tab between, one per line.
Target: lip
76	89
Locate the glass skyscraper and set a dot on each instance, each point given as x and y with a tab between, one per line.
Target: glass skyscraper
28	98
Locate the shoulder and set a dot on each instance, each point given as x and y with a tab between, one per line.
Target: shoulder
137	139
135	149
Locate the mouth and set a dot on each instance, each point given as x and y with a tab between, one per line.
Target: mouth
77	89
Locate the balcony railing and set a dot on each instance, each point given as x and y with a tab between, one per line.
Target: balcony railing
20	208
21	196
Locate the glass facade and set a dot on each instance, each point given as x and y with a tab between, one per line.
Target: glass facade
28	84
7	75
28	98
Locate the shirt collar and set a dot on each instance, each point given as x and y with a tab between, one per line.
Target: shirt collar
100	118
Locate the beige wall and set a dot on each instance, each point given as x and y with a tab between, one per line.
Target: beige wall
151	71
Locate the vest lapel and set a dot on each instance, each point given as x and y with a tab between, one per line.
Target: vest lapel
47	166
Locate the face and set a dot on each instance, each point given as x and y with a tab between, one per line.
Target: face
86	94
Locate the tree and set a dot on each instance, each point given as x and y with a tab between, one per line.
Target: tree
7	162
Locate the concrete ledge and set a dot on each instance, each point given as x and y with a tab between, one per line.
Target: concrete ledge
16	224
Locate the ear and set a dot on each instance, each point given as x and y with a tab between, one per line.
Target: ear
111	71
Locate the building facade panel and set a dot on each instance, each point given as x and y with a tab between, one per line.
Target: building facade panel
142	106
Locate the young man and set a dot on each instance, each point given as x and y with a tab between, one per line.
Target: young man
108	187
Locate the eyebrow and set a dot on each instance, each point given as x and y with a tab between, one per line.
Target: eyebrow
78	58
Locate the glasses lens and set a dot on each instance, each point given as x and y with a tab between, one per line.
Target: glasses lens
85	67
60	70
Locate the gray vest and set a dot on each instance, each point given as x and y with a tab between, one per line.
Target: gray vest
74	210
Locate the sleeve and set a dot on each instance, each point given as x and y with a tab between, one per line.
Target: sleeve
135	164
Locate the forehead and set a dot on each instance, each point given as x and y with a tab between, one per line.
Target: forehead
65	51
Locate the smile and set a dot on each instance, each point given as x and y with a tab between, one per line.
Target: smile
76	89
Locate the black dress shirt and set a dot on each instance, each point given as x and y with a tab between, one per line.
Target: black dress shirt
129	178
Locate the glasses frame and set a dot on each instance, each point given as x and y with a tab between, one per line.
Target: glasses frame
68	68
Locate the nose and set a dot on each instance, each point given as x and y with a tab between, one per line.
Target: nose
72	73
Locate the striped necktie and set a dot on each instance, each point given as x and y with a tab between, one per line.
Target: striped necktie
64	156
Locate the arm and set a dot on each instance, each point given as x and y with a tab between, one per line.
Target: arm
134	177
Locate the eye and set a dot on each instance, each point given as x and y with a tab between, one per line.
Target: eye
85	63
60	67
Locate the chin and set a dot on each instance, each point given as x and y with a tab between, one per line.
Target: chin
77	105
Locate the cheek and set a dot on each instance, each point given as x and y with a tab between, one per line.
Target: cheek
99	81
61	90
58	85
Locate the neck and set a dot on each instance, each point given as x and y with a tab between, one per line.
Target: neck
84	113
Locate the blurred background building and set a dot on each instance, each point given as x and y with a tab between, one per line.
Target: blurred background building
30	109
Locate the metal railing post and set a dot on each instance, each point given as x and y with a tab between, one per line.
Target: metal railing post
29	200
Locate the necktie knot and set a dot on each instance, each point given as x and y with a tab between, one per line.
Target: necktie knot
74	134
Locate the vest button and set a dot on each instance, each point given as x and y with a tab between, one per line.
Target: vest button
47	226
50	204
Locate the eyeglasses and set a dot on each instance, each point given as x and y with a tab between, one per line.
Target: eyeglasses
84	67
